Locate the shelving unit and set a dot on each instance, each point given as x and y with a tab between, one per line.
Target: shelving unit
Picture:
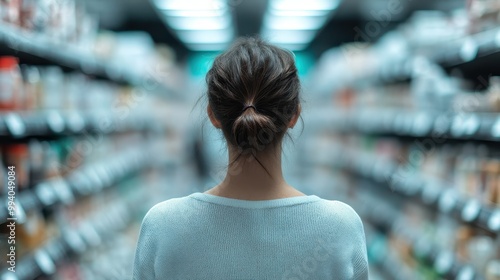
444	262
86	180
74	57
447	125
93	177
55	123
429	191
87	235
464	50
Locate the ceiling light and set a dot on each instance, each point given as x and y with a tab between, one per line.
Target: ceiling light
206	36
301	5
289	36
198	23
294	23
194	13
190	5
300	13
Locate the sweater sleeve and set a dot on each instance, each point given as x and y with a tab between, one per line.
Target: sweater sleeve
146	249
360	256
355	234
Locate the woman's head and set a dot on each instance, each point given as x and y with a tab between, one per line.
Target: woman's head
253	95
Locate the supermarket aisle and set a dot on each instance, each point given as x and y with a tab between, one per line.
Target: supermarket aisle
100	120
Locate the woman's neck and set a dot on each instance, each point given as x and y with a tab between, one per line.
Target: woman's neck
247	179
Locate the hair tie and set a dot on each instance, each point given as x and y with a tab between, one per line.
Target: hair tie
249	106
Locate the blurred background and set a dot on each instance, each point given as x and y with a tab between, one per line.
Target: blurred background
101	118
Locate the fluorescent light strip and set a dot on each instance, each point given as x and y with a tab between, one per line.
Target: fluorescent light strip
294	23
199	23
194	13
302	13
190	5
302	5
206	36
289	36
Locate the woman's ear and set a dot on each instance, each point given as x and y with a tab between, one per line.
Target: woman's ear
215	122
295	118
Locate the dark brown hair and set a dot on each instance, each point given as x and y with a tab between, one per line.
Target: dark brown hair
253	91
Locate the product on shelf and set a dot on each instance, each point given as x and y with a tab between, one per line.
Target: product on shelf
483	14
10	11
493	270
10	83
16	155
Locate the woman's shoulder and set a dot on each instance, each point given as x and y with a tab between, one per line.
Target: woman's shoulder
340	213
167	210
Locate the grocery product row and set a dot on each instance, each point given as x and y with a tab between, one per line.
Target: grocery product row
446	193
69	205
32	88
447	39
64	34
418	124
59	173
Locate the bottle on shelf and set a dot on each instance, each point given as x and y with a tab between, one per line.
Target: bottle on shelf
10	83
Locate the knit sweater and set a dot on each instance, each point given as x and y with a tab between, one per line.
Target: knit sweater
203	236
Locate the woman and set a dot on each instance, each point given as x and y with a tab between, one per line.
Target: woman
253	225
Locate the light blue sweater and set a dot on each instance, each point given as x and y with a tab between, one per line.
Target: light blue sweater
203	236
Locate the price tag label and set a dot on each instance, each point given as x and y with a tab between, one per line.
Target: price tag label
7	275
63	191
46	194
76	122
55	122
94	178
44	261
422	124
443	262
494	221
466	273
465	125
497	39
469	50
74	241
471	210
495	129
447	201
90	234
15	125
472	124
20	213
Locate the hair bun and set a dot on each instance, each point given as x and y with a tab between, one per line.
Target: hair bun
253	131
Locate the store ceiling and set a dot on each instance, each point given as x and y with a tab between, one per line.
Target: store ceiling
248	18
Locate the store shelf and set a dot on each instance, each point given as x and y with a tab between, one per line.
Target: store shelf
74	241
53	123
436	125
75	57
86	180
443	261
387	261
428	191
464	50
